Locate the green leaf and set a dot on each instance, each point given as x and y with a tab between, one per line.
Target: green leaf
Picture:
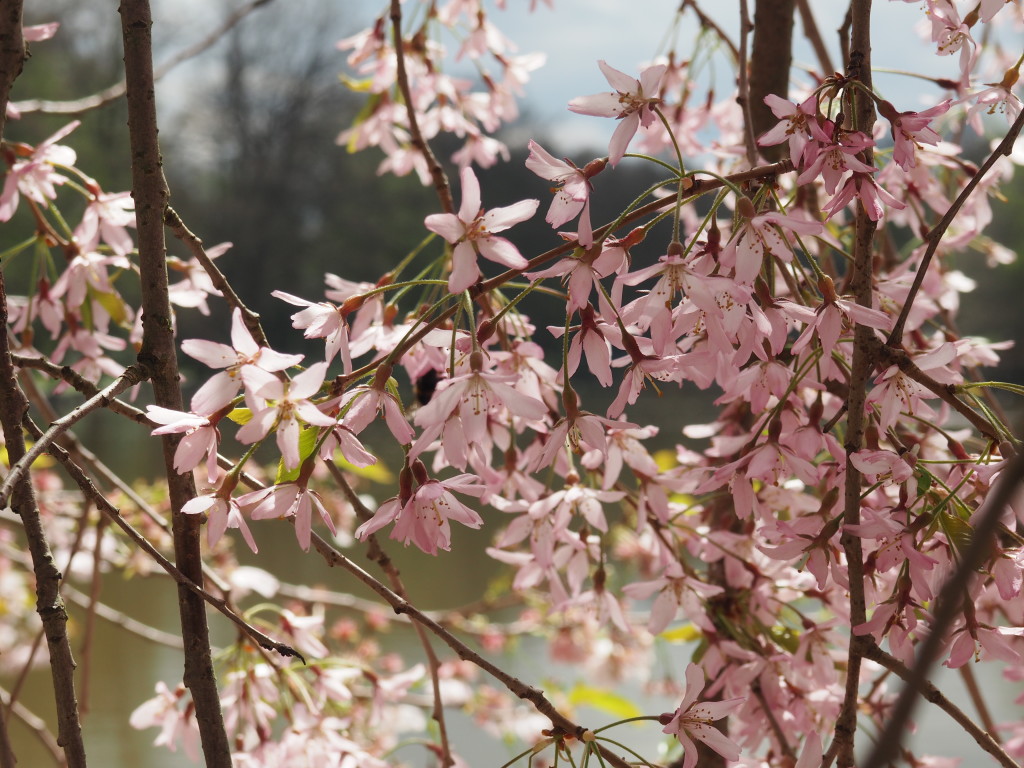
606	701
785	637
375	473
114	305
307	444
957	530
240	415
684	634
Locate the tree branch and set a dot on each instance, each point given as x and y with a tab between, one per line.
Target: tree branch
49	604
117	90
948	605
158	354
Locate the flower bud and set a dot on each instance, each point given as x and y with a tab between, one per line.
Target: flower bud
745	208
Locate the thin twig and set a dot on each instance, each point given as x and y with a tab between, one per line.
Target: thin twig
35	724
932	694
195	246
934	237
977	698
122	620
117	90
948	605
132	375
437	174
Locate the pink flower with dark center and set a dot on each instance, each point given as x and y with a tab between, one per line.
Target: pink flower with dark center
571	190
793	124
693	721
473	230
633	103
289	500
288	404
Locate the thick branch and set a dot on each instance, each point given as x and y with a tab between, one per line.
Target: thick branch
158	354
860	285
770	58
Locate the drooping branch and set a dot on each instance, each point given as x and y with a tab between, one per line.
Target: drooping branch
158	355
117	90
195	247
948	605
930	693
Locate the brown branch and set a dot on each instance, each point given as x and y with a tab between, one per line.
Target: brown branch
12	59
948	606
195	246
117	90
441	185
934	237
49	604
930	693
971	684
35	723
813	35
91	609
131	376
158	355
402	606
770	58
185	583
708	23
860	285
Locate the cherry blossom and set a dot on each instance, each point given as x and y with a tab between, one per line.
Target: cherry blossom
633	103
572	190
473	230
243	353
287	403
693	721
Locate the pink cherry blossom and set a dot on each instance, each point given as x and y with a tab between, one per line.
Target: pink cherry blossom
910	130
199	437
632	102
793	124
571	190
424	517
473	230
243	353
693	721
37	176
222	512
288	403
293	500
